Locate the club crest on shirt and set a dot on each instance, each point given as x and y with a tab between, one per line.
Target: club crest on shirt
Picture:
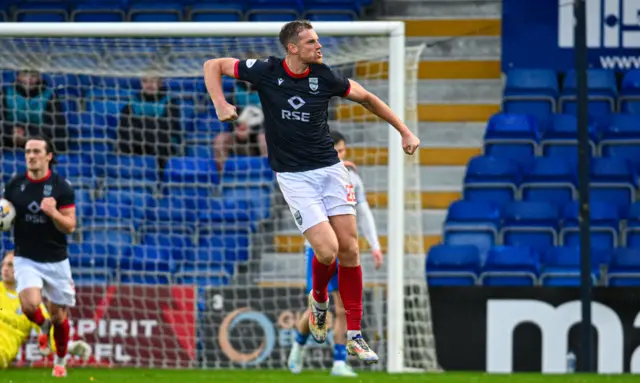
46	191
313	83
22	187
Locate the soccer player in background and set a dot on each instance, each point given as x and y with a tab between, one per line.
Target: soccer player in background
15	328
295	94
45	214
368	227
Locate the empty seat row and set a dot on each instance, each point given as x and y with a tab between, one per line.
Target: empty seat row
144	11
463	265
538	224
537	91
551	180
516	135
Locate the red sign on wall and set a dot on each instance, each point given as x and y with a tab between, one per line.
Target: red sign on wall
132	325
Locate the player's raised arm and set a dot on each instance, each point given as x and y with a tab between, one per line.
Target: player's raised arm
213	71
378	107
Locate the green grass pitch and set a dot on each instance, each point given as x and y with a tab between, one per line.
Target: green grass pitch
82	375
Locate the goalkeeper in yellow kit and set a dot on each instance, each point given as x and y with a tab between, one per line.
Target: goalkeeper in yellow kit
15	328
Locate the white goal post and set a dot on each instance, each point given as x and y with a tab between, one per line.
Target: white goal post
394	32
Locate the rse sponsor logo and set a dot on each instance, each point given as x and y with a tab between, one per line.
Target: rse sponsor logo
296	103
610	24
505	315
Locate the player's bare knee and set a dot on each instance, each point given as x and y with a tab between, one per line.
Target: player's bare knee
327	252
349	253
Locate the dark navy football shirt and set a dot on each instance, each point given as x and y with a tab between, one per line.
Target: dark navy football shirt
296	111
36	236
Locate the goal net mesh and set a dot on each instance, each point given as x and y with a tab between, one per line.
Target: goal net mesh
186	254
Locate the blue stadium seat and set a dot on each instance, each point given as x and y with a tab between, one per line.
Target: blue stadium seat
13	162
92	13
561	266
120	237
624	268
605	225
126	168
77	168
511	136
93	255
331	10
180	240
602	91
551	180
223	210
203	276
155	12
560	138
629	100
105	106
116	208
245	171
258	198
510	266
148	258
532	224
272	10
472	223
172	208
491	179
191	170
41	12
621	138
216	12
452	265
613	180
632	231
532	91
234	247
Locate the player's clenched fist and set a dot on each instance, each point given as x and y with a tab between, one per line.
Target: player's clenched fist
48	205
410	143
226	112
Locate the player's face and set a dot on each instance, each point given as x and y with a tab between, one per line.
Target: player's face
309	48
151	85
341	148
37	157
7	268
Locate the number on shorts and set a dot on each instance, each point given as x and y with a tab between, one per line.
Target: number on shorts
351	194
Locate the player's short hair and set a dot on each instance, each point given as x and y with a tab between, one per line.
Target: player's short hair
7	253
337	137
48	147
289	32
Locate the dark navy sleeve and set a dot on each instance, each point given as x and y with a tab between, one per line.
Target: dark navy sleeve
67	197
339	85
6	190
250	70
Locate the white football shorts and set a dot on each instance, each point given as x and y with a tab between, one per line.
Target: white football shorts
54	279
315	195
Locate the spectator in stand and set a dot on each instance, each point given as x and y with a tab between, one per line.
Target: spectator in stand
30	108
150	123
246	139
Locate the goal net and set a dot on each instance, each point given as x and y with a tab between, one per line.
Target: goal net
186	254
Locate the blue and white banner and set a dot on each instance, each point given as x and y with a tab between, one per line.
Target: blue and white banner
540	34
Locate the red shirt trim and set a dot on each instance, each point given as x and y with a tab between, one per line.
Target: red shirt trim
348	90
295	75
41	179
66	206
235	69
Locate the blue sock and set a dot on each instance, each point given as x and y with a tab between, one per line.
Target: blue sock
301	338
339	352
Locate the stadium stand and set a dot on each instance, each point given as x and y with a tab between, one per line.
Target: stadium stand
518	221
